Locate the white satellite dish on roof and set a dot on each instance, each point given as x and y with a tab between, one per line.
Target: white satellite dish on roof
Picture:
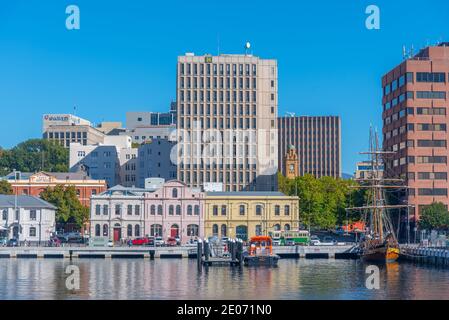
247	45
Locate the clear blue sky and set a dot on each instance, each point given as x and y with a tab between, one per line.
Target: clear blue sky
124	56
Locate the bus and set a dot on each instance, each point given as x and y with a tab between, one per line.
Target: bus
290	237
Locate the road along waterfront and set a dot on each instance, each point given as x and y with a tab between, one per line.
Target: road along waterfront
180	279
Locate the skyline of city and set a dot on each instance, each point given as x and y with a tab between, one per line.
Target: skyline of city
108	66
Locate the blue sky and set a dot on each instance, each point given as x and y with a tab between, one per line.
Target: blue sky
124	56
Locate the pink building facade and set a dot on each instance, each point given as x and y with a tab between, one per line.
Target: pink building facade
175	210
172	210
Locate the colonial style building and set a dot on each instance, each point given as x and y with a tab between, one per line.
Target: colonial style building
33	184
170	210
26	218
246	214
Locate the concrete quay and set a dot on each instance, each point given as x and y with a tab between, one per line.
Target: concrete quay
286	252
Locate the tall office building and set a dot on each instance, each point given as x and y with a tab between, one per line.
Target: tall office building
317	141
415	119
227	108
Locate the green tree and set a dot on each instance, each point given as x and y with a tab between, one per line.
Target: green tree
5	187
435	217
70	209
35	155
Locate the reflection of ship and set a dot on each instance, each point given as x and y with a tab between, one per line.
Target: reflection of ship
379	242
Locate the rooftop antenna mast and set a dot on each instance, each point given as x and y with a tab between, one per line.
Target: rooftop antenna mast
247	47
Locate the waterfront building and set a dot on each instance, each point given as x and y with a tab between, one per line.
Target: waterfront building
317	141
247	214
26	218
154	160
140	135
415	118
33	184
113	160
364	170
171	210
67	128
226	121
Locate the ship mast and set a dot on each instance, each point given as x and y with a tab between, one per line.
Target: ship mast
375	211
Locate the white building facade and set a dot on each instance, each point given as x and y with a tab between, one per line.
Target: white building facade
26	218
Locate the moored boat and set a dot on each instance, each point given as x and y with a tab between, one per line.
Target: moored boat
260	252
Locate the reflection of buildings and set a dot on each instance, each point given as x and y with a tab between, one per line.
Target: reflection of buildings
171	210
246	214
26	218
33	184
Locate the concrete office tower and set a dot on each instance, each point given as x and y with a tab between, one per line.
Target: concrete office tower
227	108
415	119
67	128
317	141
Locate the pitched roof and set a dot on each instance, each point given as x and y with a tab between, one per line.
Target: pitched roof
23	201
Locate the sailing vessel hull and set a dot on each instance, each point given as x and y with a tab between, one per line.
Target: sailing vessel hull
381	255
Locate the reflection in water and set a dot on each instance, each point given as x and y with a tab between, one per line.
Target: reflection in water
180	279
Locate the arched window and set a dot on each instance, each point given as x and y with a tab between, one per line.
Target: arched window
277	227
159	210
287	227
171	210
258	210
137	230
192	230
153	210
224	230
287	210
241	232
242	209
97	230
156	230
189	210
197	210
5	215
129	230
105	230
178	210
174	193
215	230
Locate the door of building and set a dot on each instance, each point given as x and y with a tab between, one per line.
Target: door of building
117	234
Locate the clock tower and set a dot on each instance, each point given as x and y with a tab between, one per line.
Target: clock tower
291	163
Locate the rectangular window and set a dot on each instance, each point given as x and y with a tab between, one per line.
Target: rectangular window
431	94
32	214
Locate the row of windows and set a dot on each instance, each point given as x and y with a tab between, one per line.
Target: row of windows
431	95
217	111
241	83
395	101
428	176
67	135
194	178
242	231
191	210
32	215
430	77
410	111
208	68
215	124
220	96
419	160
398	83
258	210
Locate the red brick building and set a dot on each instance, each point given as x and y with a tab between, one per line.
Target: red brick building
33	184
415	121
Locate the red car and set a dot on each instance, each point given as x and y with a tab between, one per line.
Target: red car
172	242
143	242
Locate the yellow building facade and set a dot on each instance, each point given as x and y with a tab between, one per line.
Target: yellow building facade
247	214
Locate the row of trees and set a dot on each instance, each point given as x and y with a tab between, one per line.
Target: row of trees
34	155
324	200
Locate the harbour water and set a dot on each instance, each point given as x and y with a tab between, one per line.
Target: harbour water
180	279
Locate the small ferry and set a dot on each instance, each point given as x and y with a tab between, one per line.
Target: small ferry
260	252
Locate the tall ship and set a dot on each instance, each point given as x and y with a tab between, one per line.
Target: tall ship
379	242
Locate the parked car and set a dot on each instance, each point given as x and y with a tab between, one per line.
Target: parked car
171	242
139	241
150	241
328	241
12	242
3	241
315	241
110	243
158	241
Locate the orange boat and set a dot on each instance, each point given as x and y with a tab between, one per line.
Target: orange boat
260	252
